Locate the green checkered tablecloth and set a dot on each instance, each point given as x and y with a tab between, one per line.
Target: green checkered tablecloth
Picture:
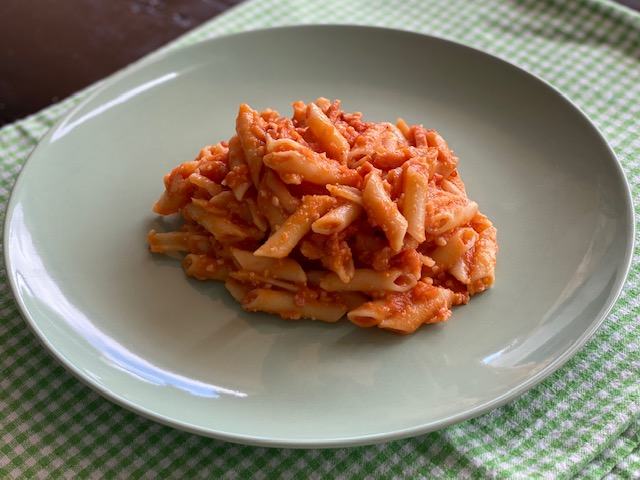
583	421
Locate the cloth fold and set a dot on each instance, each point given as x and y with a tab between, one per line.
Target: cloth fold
582	421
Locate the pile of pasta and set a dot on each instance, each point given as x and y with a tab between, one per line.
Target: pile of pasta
323	215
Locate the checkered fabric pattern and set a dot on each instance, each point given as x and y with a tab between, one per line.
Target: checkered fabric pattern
583	421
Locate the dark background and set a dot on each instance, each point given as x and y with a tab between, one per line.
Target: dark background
50	49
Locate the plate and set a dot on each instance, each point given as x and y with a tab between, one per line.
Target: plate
182	353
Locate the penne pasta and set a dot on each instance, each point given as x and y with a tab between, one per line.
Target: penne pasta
167	242
256	280
414	206
446	211
382	211
482	264
345	192
206	267
404	313
325	215
446	161
252	138
288	305
459	243
296	165
280	268
181	241
221	227
337	219
239	177
296	226
368	280
205	183
382	144
237	289
329	137
281	194
269	207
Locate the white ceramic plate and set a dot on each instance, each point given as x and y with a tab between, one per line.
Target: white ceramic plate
181	352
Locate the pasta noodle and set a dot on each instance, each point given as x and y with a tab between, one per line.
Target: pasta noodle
326	216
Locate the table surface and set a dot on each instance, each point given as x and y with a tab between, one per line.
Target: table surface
92	40
583	421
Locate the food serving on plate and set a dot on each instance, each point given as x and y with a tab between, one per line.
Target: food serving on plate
324	214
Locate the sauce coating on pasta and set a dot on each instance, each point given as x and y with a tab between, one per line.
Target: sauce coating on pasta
325	215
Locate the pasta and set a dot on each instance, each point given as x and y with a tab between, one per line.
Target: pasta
325	216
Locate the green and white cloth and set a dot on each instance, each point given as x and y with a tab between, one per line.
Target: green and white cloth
583	421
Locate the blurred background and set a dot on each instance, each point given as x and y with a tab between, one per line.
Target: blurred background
50	49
